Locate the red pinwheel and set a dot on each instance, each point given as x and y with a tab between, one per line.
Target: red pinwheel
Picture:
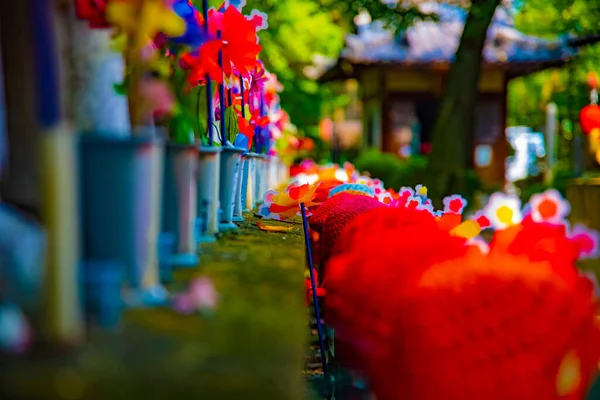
240	47
93	11
206	62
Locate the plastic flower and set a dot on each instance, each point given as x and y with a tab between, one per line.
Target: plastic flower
202	62
286	204
201	296
416	203
480	244
194	34
93	11
258	19
503	210
591	276
404	194
160	98
587	241
258	120
421	190
454	204
238	41
143	19
549	206
482	220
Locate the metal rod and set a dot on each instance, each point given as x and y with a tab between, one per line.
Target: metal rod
261	130
313	284
222	97
209	94
242	96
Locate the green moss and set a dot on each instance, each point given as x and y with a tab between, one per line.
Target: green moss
252	348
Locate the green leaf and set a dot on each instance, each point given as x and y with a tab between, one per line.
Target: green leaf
181	129
231	124
201	111
121	88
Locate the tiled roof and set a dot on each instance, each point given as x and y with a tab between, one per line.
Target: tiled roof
436	42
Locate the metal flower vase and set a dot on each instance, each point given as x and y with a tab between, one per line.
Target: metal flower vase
248	202
207	222
179	202
238	209
258	178
121	188
230	167
271	172
264	172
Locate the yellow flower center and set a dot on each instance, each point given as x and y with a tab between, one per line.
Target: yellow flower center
505	215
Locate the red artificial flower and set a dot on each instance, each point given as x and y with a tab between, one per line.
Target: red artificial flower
270	97
240	44
260	121
483	221
93	11
215	20
246	129
206	62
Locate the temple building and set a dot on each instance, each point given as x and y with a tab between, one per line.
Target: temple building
402	77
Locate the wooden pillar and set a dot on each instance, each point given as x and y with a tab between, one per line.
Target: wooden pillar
501	146
19	181
385	112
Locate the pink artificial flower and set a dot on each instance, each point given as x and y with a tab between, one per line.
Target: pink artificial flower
203	293
159	97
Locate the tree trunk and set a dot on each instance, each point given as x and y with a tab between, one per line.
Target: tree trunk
454	130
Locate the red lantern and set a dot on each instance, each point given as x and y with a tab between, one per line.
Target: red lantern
589	118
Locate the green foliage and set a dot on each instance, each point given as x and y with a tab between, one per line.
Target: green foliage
231	124
396	173
181	129
551	17
190	115
298	30
566	87
562	175
398	15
